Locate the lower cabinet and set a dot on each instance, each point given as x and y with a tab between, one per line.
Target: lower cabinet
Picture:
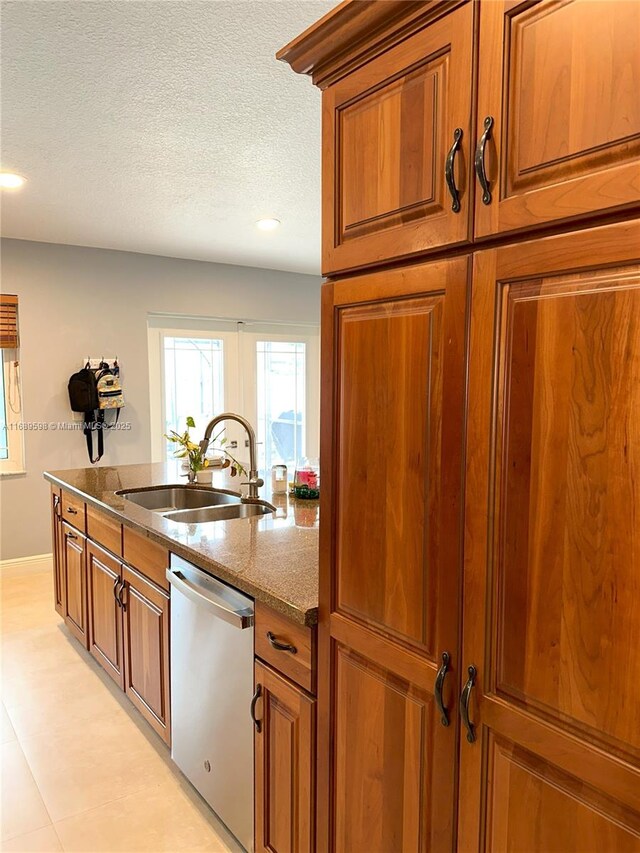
284	765
104	575
74	605
146	643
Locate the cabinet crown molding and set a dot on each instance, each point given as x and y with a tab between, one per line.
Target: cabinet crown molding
356	31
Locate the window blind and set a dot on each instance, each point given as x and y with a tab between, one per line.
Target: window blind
8	321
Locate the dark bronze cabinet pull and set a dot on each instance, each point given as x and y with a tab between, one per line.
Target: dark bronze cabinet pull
448	170
256	696
464	704
116	583
72	511
278	646
70	535
479	161
123	603
437	691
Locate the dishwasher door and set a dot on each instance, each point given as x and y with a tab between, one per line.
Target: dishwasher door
211	690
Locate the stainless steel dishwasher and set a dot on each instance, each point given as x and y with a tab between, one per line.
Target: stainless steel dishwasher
211	690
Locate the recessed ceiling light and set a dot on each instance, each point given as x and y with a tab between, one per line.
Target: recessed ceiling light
268	224
9	181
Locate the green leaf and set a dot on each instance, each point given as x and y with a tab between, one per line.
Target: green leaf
190	422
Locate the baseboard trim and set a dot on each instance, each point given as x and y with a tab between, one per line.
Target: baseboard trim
26	565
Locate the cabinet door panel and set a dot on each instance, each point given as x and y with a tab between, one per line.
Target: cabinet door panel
561	80
284	761
388	128
105	614
57	551
553	542
393	419
75	582
146	643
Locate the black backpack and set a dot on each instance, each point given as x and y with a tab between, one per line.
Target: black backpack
83	396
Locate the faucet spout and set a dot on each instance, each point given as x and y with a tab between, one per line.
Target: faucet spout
254	481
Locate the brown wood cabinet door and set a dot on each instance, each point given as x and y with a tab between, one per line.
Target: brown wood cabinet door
560	79
57	552
105	611
390	552
75	582
388	128
284	765
552	549
146	648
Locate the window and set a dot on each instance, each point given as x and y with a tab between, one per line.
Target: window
11	432
268	373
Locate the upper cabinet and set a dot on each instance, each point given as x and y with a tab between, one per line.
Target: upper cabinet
558	118
396	149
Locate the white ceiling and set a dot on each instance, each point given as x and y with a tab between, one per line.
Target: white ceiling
162	126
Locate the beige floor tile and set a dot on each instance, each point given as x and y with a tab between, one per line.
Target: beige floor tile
92	764
22	807
60	699
7	733
42	840
37	650
160	818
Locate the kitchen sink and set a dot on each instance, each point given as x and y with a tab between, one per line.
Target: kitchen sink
224	512
166	498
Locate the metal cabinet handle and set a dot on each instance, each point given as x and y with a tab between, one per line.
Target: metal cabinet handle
465	698
437	690
72	511
123	603
479	160
70	535
115	591
256	696
448	170
278	646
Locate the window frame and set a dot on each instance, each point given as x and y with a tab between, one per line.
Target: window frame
240	370
15	462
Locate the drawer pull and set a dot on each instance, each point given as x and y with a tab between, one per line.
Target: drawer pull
464	704
256	696
70	535
448	170
72	511
444	713
481	172
278	646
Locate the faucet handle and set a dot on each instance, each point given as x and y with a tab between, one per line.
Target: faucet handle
254	481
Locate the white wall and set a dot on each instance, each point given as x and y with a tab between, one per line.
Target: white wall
77	301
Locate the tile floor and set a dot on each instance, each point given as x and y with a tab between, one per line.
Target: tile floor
81	771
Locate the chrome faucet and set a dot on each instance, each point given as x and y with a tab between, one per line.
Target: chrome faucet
254	481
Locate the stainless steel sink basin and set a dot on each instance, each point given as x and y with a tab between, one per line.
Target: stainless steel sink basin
220	513
167	498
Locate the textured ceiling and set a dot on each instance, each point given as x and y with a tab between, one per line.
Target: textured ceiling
162	127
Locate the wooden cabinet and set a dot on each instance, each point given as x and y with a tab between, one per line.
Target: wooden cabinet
392	433
74	582
57	551
284	765
560	80
146	648
552	542
105	610
388	129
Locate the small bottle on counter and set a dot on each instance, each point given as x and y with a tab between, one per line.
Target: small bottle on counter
279	480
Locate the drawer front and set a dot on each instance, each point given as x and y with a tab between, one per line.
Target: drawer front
272	631
397	149
146	556
73	511
104	530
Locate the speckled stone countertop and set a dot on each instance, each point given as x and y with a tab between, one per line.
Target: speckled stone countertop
273	558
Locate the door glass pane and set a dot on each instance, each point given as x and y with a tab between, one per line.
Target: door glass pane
193	383
4	433
281	371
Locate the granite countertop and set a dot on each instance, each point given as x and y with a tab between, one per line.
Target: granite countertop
273	558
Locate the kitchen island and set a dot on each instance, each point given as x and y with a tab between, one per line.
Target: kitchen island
112	558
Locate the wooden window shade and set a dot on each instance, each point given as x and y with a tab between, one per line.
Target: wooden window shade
8	321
